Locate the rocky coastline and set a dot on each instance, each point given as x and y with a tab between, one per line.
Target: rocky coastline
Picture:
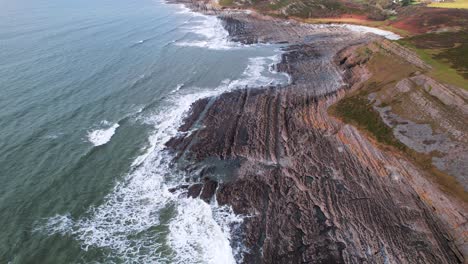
315	190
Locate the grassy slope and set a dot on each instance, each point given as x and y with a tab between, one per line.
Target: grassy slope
446	52
357	109
449	61
462	4
303	9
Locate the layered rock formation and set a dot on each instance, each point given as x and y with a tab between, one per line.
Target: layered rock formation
427	116
313	189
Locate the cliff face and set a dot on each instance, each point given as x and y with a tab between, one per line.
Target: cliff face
313	189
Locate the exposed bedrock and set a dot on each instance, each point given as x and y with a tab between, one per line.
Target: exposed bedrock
310	198
313	190
425	115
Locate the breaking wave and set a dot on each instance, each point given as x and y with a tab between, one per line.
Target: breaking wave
209	30
140	220
101	136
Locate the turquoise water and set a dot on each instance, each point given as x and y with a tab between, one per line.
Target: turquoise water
90	91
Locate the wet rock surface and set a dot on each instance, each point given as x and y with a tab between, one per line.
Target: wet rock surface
313	189
311	199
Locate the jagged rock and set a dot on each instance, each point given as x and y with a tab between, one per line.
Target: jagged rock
209	190
315	190
194	190
310	201
204	191
177	188
425	115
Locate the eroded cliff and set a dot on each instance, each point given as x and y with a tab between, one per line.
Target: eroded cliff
313	189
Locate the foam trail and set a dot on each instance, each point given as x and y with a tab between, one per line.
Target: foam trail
131	222
212	32
179	86
195	222
100	137
256	73
135	204
273	69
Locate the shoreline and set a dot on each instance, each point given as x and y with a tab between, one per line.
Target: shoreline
279	177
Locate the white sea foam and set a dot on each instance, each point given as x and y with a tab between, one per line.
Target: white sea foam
178	87
59	224
196	221
125	223
211	31
130	222
55	135
256	73
273	69
184	10
135	204
255	69
101	136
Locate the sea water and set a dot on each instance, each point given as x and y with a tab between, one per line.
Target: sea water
90	91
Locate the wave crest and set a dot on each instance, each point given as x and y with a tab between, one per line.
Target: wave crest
101	136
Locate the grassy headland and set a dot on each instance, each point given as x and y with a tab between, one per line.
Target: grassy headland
437	35
446	52
357	108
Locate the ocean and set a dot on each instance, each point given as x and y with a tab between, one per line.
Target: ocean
90	91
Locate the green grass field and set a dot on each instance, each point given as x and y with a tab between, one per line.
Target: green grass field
446	53
357	110
461	4
226	2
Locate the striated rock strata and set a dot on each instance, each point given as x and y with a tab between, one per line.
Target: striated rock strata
313	190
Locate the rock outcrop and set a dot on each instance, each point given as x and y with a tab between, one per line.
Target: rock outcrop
425	115
313	189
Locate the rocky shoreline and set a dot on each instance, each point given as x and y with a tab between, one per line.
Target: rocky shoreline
315	190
